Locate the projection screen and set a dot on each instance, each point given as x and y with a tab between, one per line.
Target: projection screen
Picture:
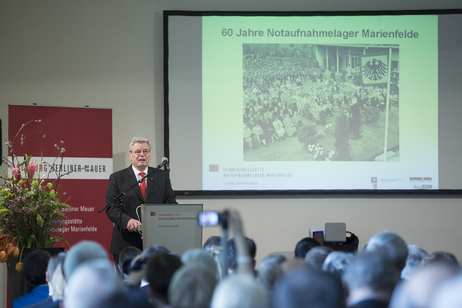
261	103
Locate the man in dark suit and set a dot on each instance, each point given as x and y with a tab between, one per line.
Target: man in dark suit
157	190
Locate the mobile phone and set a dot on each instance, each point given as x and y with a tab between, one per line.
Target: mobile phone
209	219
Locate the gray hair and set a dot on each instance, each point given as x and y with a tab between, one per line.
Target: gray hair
336	262
316	256
270	270
92	284
192	286
309	288
58	283
392	245
448	295
138	140
413	261
80	253
239	291
371	270
200	257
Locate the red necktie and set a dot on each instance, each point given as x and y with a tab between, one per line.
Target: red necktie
143	186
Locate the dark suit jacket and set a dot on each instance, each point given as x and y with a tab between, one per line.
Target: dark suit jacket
370	303
158	191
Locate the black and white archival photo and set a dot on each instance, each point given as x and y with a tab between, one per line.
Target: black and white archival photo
306	102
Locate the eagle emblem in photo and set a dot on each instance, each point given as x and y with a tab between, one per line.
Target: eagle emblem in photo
374	70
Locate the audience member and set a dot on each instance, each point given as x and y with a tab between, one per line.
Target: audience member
303	246
316	256
419	290
449	295
336	263
270	271
370	279
240	291
212	241
440	256
414	258
34	272
55	280
159	272
213	246
82	252
192	285
306	287
390	244
232	253
91	284
200	257
125	259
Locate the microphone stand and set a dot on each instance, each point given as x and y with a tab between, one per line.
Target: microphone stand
122	194
118	200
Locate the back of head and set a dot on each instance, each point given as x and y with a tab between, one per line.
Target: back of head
91	284
316	256
80	253
192	286
371	271
126	256
159	272
232	253
310	288
35	267
413	261
153	251
216	252
58	283
440	256
420	289
449	295
212	241
54	262
239	291
56	275
336	263
200	257
305	245
270	270
392	245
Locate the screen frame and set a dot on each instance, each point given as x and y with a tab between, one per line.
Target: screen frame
323	192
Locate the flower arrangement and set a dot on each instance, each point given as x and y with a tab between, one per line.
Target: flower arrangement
31	212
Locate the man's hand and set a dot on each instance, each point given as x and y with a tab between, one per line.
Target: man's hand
132	225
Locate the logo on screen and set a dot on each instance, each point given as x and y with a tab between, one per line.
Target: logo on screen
153	213
213	168
374	179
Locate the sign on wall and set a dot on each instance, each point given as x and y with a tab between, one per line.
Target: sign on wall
86	136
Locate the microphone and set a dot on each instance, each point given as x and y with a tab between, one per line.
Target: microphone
163	163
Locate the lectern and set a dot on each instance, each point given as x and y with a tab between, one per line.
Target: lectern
174	226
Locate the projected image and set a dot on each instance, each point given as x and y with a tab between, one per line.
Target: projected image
306	102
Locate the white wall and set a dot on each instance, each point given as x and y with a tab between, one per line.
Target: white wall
108	54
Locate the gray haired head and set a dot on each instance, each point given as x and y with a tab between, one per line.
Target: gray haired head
82	252
139	140
390	244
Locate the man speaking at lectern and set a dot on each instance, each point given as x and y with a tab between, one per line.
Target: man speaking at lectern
156	189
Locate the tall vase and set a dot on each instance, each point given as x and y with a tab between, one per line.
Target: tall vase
16	282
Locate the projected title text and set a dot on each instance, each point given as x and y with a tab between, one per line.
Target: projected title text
409	34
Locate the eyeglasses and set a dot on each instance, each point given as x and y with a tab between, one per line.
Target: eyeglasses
138	152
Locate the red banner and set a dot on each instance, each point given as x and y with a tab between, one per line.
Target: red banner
87	139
